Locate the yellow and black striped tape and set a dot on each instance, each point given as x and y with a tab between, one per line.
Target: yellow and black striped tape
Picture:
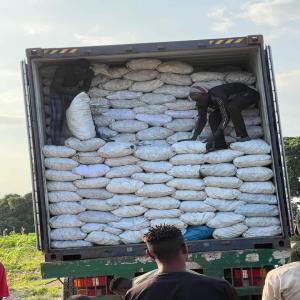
60	51
226	41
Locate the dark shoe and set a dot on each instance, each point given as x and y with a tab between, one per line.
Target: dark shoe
212	148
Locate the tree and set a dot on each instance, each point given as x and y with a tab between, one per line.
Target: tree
292	150
16	212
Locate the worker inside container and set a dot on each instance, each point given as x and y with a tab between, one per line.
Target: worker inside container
69	80
165	244
223	103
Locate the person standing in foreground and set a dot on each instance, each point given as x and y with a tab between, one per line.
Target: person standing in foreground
166	245
3	284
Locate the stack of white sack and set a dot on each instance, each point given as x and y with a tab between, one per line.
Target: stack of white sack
144	170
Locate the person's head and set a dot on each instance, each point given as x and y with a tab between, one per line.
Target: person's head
166	245
81	66
120	285
199	94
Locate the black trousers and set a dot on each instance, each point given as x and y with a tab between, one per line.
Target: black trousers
234	109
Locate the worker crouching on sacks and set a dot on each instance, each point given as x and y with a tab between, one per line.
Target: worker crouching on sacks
223	102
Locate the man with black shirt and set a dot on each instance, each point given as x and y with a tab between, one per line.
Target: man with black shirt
166	245
223	102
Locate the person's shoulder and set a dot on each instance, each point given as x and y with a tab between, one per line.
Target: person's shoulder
195	278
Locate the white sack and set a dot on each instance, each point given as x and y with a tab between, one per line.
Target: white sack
224	169
133	236
258	210
131	103
185	171
252	147
112	72
187	159
154	153
88	158
116	149
176	79
261	221
141	75
63	208
122	200
152	177
154	99
181	105
128	126
151	109
61	186
160	203
98	217
222	156
60	164
58	151
154	120
135	223
254	132
69	234
124	185
242	77
266	187
230	231
106	133
176	67
262	231
129	211
94	193
222	193
155	167
258	198
154	133
175	90
124	95
181	124
92	183
63	221
224	205
155	190
196	218
70	244
258	160
103	238
225	219
84	146
123	171
120	114
97	170
143	64
121	161
79	118
172	222
222	181
153	142
187	184
112	230
89	227
179	136
98	92
60	196
152	214
99	105
61	175
182	114
188	195
210	84
117	84
207	76
196	206
254	174
146	86
96	204
189	147
125	137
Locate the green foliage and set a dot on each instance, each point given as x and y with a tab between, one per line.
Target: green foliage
22	261
292	150
16	212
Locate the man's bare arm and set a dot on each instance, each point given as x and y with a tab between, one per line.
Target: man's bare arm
201	122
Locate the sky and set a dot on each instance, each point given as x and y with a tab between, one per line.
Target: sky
44	23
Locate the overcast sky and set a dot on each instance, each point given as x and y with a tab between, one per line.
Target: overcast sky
43	23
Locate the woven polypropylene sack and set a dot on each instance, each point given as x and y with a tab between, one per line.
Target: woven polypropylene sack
92	183
196	218
116	149
103	238
123	171
124	185
187	184
258	198
61	175
230	231
266	187
60	164
222	181
97	204
224	169
152	214
84	146
96	170
176	67
152	177
252	147
222	156
222	193
63	208
196	206
262	231
129	211
188	195
155	190
122	200
63	221
254	174
58	151
161	203
154	153
258	210
98	217
155	167
258	160
225	219
136	223
60	186
70	244
189	147
59	196
224	205
67	234
261	221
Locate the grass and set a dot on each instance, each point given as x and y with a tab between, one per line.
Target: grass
22	262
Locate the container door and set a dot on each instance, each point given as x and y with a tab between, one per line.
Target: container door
27	102
274	96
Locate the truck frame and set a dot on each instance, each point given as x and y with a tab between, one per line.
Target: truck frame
236	260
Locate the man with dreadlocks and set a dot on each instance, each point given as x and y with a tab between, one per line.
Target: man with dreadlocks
165	244
223	102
